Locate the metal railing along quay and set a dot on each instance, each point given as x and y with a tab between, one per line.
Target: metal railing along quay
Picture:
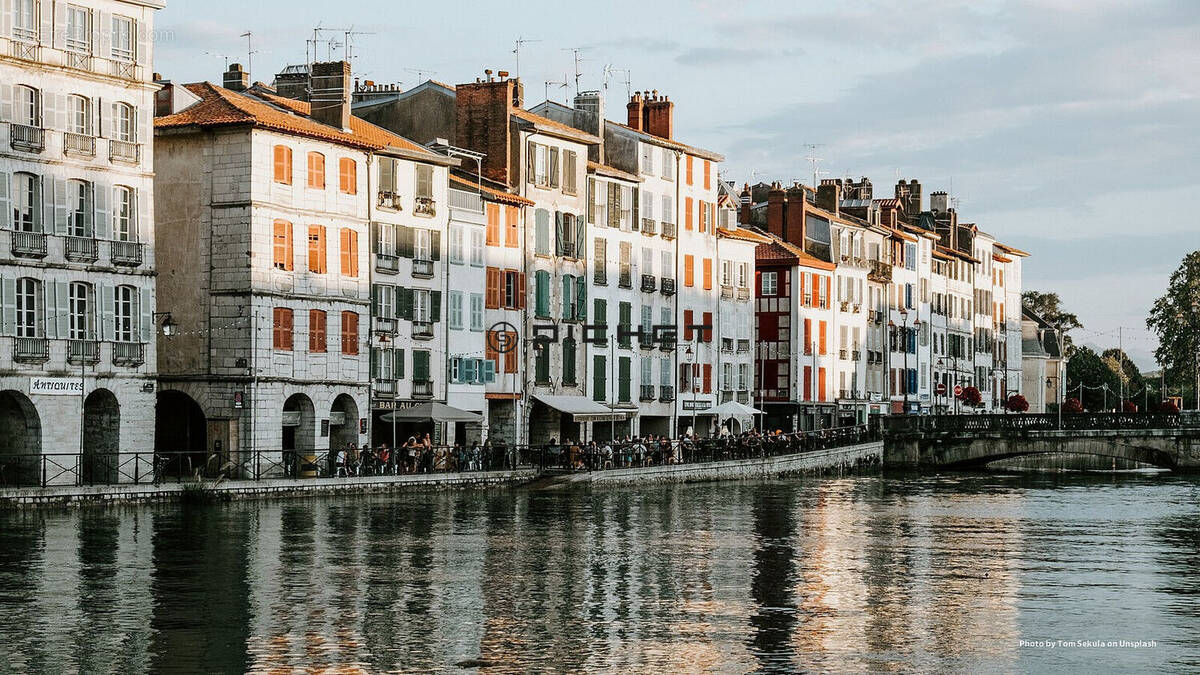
1019	422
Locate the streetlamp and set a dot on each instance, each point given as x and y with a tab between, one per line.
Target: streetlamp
169	326
691	359
904	344
941	365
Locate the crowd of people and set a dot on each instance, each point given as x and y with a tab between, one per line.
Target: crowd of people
420	455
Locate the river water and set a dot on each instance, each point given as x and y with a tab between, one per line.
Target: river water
946	573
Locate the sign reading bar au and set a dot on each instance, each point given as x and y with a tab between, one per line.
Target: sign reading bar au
55	386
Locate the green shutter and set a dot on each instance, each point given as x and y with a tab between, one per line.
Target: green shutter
598	381
568	291
580	233
623	368
558	233
625	321
404	303
420	365
375	362
435	245
581	298
398	364
601	318
435	306
542	292
405	241
568	361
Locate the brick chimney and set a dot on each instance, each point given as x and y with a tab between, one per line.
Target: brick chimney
483	109
776	208
635	109
237	78
746	202
909	194
829	195
660	116
589	116
331	94
292	82
793	226
939	202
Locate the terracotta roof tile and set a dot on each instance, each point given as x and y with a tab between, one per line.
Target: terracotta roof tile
606	170
742	234
492	193
554	127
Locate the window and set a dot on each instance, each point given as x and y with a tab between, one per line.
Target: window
457	234
726	273
668	209
28	104
25	19
541	363
569	180
689	162
424	178
647	158
477	247
29	308
348	245
347	176
122	39
27	202
668	266
81	311
726	368
79	29
422	244
349	333
283	164
282	330
647	260
79	208
647	205
79	115
283	245
420	306
668	164
770	283
382	301
456	310
125	123
537	164
541	233
743	275
493	224
316	171
387	180
512	230
316	249
743	377
514	289
476	311
317	323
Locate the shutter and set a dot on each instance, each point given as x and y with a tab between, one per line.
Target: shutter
6	90
6	212
375	351
553	167
521	290
435	306
398	364
6	13
408	242
541	301
568	288
146	320
56	203
143	43
100	199
8	306
49	109
581	299
404	303
61	308
558	233
435	245
529	161
108	331
489	371
637	202
60	20
580	233
47	27
114	114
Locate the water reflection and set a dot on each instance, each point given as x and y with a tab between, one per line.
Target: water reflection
847	574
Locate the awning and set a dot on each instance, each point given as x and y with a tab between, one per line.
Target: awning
581	408
433	411
734	409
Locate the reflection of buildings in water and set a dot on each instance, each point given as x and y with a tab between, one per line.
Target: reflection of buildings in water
113	547
774	619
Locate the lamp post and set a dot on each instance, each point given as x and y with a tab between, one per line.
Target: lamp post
691	359
904	344
940	366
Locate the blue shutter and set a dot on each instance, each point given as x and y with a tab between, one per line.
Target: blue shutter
489	371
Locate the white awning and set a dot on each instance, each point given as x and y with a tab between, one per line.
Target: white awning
734	409
581	408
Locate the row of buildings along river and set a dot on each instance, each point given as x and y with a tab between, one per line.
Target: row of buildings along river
286	265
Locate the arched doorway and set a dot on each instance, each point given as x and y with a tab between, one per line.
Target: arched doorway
343	422
298	434
101	438
21	440
180	434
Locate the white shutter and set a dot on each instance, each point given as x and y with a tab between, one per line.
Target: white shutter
46	222
49	110
141	224
103	192
61	206
61	312
60	22
6	212
47	18
6	99
6	13
108	328
103	33
142	40
98	123
113	116
60	112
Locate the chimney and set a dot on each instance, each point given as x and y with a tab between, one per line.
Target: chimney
331	94
660	117
746	202
236	78
776	208
482	112
939	202
914	199
589	116
292	82
635	108
829	195
793	226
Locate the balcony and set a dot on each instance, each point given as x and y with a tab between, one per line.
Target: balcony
29	244
666	393
26	138
667	345
31	350
743	293
124	151
422	268
389	200
466	201
668	230
880	272
422	330
424	206
83	352
600	277
79	145
646	339
855	355
124	67
80	60
128	354
387	264
625	280
743	346
726	292
649	227
82	249
668	287
386	325
385	389
649	283
127	253
743	397
25	50
647	393
843	354
422	389
844	307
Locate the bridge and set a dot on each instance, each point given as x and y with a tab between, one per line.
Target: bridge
973	441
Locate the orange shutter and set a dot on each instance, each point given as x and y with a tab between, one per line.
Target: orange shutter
708	378
493	224
283	164
708	321
316	330
708	272
283	245
807	334
687	209
510	357
816	291
348	246
520	290
689	169
807	383
492	294
348	176
511	232
490	352
316	249
821	385
707	174
316	171
283	329
821	337
689	270
349	333
687	324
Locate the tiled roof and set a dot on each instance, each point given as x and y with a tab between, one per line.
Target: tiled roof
1014	251
558	128
900	234
675	145
219	106
492	193
778	249
999	258
742	234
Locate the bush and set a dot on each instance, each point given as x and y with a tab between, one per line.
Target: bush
1017	403
1072	405
1129	407
971	396
1168	407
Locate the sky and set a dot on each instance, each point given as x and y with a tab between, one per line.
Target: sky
1066	128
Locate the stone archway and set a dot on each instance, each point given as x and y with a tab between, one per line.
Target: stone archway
180	434
298	432
21	441
101	460
343	422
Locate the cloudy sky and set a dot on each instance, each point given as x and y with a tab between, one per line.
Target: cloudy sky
1068	128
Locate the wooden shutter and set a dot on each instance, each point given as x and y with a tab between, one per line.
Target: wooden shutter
707	174
510	357
708	378
687	213
553	166
316	331
708	332
530	161
689	169
558	233
283	164
511	232
708	273
821	337
348	175
689	270
492	291
316	171
349	333
687	324
435	306
520	290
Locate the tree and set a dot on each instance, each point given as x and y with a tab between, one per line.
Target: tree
1088	369
970	396
1175	319
1049	307
1125	368
1017	403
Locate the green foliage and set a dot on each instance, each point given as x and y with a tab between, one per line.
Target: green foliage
1087	368
1125	368
1050	307
1175	319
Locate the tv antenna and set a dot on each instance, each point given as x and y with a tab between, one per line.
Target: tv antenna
226	58
330	44
814	160
421	73
250	52
610	72
348	41
521	40
575	51
559	85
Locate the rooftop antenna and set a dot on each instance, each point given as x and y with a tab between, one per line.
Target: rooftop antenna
561	85
814	160
609	71
316	41
226	57
249	51
421	72
349	41
521	40
575	51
